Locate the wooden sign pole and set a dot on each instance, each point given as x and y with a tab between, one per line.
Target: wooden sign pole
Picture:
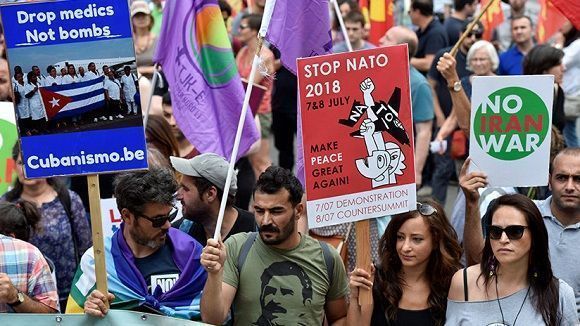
97	230
363	257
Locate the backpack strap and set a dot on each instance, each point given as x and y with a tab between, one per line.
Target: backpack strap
64	197
328	260
246	249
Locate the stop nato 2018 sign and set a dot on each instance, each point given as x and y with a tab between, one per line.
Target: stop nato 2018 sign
510	133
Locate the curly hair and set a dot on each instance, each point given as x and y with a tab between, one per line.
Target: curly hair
275	178
135	189
544	285
443	262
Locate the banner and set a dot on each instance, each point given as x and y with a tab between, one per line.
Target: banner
206	91
570	9
511	118
358	135
379	16
70	52
8	137
549	21
113	318
492	18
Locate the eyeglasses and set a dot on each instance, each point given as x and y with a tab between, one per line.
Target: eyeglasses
159	221
478	34
426	209
513	232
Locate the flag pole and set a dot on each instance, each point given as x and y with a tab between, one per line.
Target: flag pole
341	23
153	83
268	10
470	28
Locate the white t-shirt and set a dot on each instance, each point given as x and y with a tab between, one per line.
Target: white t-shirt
114	89
35	103
50	81
68	79
89	75
22	108
129	89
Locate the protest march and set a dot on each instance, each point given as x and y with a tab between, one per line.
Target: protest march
276	162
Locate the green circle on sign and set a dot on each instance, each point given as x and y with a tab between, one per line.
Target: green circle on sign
511	123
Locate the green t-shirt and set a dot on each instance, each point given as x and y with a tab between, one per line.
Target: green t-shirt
282	287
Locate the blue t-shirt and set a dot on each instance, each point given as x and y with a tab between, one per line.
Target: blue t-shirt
421	97
510	62
341	47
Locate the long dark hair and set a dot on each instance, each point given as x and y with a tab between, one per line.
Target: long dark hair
541	57
443	263
19	219
16	191
544	285
159	134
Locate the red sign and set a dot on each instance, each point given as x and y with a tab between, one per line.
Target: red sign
357	135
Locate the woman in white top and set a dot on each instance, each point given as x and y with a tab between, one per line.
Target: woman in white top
22	109
71	77
52	79
38	123
514	282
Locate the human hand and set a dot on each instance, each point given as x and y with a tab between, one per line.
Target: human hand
8	293
367	127
359	278
471	182
213	256
97	304
446	66
367	86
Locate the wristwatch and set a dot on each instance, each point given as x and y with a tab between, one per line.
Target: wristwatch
456	86
19	299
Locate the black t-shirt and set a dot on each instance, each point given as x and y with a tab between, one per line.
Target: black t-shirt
404	317
244	223
453	27
432	39
159	269
284	91
441	89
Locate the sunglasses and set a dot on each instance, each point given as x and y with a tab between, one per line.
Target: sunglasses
159	221
513	232
478	34
244	26
426	209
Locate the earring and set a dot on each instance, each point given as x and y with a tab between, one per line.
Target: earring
492	266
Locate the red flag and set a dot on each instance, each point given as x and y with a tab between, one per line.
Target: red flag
492	18
570	9
53	102
550	20
379	13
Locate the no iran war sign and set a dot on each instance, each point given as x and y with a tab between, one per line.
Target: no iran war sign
357	135
511	118
64	56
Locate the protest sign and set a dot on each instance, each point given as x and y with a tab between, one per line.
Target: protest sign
357	135
69	54
511	118
8	137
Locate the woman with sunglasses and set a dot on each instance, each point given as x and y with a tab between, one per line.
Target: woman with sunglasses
514	281
418	254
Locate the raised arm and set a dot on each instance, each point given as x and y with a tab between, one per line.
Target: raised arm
472	233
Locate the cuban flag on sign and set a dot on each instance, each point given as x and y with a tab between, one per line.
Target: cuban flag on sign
62	101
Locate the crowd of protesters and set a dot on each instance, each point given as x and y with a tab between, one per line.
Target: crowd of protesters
501	256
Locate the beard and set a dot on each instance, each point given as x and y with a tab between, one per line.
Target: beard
284	233
144	241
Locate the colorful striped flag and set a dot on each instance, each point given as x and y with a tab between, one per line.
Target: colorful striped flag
549	21
379	15
61	101
299	29
206	91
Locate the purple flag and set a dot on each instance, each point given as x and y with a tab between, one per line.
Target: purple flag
206	91
299	29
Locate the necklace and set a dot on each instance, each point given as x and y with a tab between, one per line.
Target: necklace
499	304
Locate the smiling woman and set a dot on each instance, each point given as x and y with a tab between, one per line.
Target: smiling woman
514	281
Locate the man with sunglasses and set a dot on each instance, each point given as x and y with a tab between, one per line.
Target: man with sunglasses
151	267
561	213
443	166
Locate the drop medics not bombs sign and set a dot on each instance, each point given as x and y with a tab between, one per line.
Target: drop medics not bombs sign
73	70
357	135
511	119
